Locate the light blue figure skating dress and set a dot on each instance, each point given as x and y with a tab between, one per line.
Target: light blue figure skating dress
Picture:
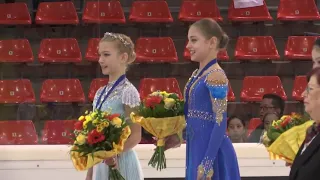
123	94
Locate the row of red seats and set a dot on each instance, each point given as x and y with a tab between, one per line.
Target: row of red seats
24	132
152	11
152	50
70	90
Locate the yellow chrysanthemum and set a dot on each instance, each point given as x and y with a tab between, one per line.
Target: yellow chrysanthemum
81	118
117	147
81	139
296	116
164	94
126	131
169	103
84	125
94	114
88	118
105	124
156	93
95	121
117	122
100	128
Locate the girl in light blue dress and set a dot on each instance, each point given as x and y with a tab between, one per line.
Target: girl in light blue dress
118	96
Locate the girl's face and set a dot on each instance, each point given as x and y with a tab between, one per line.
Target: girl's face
269	119
316	56
111	60
198	45
236	129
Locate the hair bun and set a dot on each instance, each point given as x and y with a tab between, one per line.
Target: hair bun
132	57
224	41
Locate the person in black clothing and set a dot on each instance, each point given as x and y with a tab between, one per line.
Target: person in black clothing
306	164
271	103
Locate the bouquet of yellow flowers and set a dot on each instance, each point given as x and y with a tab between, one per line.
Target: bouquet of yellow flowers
98	136
161	114
285	136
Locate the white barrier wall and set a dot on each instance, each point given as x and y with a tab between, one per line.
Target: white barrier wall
52	162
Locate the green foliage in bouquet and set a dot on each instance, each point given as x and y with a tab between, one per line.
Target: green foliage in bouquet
285	123
161	104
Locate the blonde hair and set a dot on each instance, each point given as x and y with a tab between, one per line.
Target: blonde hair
124	44
210	28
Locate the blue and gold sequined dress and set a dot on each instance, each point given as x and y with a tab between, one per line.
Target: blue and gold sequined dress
128	163
208	147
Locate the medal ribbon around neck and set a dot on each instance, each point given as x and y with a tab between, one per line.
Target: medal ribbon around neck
99	102
192	80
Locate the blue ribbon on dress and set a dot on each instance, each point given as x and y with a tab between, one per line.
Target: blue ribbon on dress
192	80
99	102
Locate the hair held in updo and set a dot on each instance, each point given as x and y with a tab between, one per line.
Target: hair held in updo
124	44
210	28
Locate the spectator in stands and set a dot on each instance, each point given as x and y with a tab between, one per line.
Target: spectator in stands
257	134
236	129
316	53
119	95
271	103
306	165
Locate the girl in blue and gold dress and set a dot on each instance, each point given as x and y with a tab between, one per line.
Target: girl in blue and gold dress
210	154
118	96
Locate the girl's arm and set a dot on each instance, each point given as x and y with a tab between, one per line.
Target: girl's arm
135	136
217	84
131	101
89	174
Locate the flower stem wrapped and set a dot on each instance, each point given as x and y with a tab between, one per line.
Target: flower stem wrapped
161	114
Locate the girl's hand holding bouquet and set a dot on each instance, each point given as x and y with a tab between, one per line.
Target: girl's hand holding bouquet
100	136
161	114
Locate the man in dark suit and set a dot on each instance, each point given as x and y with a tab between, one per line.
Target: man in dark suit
271	103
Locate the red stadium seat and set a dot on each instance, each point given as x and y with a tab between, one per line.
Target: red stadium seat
253	14
231	96
15	51
253	124
103	12
222	55
254	87
149	85
58	132
156	50
192	11
62	90
92	50
57	13
150	12
18	133
299	86
256	48
60	50
16	91
296	10
299	47
14	14
95	85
